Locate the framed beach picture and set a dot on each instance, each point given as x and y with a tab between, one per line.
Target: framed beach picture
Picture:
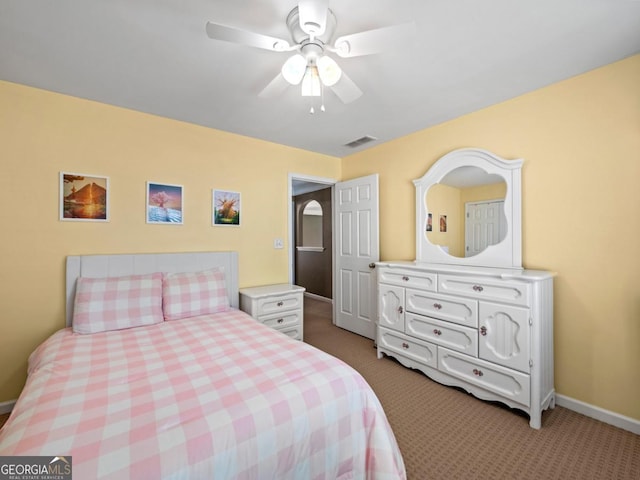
84	197
429	222
164	203
226	208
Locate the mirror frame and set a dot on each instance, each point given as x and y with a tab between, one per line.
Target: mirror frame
507	253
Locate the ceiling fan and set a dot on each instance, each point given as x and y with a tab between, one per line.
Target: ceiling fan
311	26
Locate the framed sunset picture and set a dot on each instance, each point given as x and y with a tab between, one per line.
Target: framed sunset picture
226	208
164	203
84	197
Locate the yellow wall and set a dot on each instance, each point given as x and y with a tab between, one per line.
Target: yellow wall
44	133
445	200
580	139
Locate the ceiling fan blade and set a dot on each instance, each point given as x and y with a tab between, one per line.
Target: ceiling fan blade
275	87
313	16
374	41
346	89
244	37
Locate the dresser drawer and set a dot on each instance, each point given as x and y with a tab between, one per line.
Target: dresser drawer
419	351
463	311
494	378
508	291
283	320
279	303
455	337
405	277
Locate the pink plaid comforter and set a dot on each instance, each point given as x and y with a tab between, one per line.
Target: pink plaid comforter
217	396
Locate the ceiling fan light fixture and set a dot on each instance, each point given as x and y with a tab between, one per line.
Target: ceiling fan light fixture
294	69
313	16
311	86
328	70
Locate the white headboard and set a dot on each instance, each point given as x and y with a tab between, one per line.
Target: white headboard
98	266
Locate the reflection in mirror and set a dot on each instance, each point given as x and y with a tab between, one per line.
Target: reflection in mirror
311	225
467	211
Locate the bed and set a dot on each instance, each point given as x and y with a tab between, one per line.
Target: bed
192	394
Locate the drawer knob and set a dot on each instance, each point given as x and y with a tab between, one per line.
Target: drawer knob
405	278
280	320
280	304
437	332
400	309
477	373
437	306
478	288
405	345
483	331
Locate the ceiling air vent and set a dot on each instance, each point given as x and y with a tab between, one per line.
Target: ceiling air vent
360	141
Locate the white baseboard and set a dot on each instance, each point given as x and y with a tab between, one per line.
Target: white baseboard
318	297
606	416
6	407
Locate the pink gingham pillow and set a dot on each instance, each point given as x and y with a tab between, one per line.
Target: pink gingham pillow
116	303
191	294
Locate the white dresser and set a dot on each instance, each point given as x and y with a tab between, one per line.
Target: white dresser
489	331
277	306
466	313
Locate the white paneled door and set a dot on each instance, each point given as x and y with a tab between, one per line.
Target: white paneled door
485	226
356	237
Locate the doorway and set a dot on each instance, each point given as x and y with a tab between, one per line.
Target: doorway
355	248
311	235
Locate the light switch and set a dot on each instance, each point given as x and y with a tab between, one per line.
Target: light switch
278	243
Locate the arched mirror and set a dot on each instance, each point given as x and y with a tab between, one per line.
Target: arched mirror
468	211
469	204
311	225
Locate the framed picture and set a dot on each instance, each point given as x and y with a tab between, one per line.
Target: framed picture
443	223
164	203
226	208
429	222
84	197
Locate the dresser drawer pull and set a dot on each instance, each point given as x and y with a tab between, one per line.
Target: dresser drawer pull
280	304
478	288
280	320
405	345
437	332
483	331
405	278
400	309
437	306
477	373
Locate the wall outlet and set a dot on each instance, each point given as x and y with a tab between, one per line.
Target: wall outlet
278	243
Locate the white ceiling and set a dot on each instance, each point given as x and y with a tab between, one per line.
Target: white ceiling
154	56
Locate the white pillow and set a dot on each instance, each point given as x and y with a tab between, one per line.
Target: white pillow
115	303
194	293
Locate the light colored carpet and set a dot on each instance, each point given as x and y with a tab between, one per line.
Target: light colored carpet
445	433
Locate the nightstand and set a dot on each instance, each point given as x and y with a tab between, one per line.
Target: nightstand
277	306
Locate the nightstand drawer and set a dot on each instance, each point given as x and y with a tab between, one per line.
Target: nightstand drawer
279	303
277	306
283	320
294	331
